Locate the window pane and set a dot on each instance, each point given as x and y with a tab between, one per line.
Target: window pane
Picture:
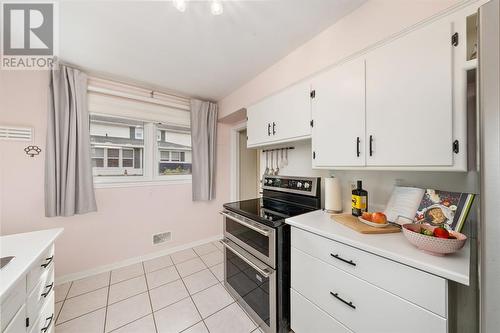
139	133
98	162
113	152
175	156
97	152
128	163
115	138
128	153
113	163
164	155
174	145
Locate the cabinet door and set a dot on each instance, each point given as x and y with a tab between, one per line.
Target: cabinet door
280	118
409	99
338	134
291	114
258	124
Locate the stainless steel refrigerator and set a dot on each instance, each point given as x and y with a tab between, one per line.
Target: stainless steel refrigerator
489	107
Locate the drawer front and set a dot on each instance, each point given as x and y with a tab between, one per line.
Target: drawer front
427	291
40	294
12	303
18	323
46	320
357	304
44	264
306	317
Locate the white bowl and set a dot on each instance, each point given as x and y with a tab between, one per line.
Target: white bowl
430	244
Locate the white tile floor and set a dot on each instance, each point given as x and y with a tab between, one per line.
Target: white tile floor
171	294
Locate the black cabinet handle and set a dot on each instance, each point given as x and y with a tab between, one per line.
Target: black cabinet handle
371	145
350	262
50	286
336	295
46	328
357	146
274	128
48	261
268	129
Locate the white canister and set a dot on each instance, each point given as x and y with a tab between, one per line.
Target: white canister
333	195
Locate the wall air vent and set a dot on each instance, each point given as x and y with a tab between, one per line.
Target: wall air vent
16	133
162	237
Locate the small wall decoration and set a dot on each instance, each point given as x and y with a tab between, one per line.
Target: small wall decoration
32	151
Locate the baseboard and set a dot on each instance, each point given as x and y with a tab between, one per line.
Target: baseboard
131	261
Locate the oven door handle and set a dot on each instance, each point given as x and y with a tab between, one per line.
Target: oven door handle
264	272
246	224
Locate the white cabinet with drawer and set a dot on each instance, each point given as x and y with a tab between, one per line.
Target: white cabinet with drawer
27	289
356	303
427	290
344	281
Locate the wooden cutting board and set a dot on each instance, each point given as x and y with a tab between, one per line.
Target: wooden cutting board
352	222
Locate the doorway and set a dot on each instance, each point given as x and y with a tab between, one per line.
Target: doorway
246	166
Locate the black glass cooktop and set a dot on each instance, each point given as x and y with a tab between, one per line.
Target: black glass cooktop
268	211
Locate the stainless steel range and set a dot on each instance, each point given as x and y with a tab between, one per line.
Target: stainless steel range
257	247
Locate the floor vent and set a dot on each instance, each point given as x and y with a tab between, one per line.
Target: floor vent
162	238
16	133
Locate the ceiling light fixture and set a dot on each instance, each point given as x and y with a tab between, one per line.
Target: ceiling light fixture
180	5
216	7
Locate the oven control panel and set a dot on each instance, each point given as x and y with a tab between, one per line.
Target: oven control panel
302	185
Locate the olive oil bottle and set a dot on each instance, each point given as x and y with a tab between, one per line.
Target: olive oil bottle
359	200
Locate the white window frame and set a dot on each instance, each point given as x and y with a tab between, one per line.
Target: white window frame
150	160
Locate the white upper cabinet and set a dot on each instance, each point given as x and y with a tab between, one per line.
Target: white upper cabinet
338	112
281	118
409	99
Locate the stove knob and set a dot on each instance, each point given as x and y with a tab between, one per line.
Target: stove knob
307	185
299	185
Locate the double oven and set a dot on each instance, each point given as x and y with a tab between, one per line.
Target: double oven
257	247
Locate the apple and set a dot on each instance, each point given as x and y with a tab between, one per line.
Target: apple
441	232
379	217
367	216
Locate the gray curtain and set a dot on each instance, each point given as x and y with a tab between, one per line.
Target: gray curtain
203	137
69	187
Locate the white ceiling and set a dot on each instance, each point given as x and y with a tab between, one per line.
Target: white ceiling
194	53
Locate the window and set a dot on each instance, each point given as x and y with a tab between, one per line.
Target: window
139	133
132	137
174	150
119	150
117	146
98	157
128	158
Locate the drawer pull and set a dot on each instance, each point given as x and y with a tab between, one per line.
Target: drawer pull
50	286
350	262
46	328
336	295
48	261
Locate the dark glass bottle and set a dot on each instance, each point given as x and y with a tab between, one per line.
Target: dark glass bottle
359	200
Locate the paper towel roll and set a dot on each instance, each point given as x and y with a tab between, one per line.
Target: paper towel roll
333	195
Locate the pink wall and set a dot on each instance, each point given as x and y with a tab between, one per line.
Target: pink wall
373	22
127	217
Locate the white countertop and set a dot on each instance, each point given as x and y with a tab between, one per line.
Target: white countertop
393	246
26	247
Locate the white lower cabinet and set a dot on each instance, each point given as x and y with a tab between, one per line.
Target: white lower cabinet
29	305
307	317
327	297
18	322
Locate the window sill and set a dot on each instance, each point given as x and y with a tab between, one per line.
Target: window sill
103	183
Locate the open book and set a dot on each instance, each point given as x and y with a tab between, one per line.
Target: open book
438	208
